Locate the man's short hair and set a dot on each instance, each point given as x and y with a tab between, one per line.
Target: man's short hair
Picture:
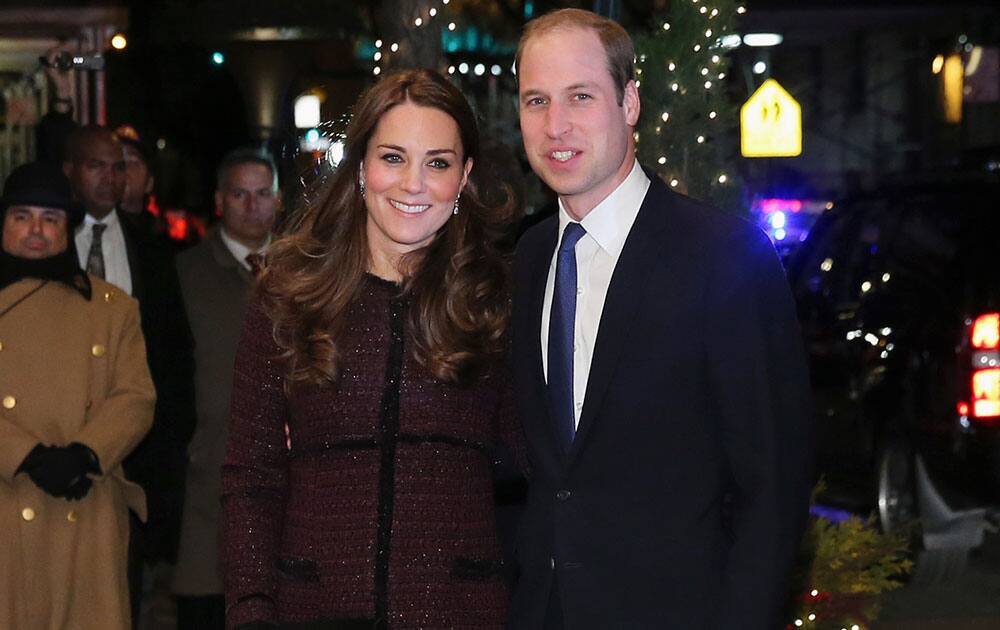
241	156
619	52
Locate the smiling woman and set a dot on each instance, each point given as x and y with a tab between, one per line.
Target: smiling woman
414	173
370	388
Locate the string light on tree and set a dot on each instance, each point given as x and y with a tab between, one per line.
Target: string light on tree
672	64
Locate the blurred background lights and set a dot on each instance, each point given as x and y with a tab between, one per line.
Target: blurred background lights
307	111
218	58
119	42
762	40
335	153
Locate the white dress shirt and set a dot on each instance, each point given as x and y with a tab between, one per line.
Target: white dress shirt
239	250
116	269
597	252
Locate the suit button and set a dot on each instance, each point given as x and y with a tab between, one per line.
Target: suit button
71	516
562	495
9	402
97	350
28	514
1	346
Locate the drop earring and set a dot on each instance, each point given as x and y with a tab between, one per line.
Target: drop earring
455	209
361	185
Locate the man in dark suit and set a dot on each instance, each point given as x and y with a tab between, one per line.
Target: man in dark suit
115	250
659	372
216	279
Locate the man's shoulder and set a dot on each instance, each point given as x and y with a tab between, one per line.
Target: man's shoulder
538	234
698	222
203	259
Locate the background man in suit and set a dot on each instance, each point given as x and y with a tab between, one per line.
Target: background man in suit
215	279
659	372
118	252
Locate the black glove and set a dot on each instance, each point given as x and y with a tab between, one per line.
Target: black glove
62	471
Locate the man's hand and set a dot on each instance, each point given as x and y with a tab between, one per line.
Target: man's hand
62	471
60	81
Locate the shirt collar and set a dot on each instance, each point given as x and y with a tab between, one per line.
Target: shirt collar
239	250
110	220
610	221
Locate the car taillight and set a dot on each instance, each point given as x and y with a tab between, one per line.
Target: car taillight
984	338
986	393
986	332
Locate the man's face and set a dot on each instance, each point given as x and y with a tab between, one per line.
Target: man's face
138	180
577	137
98	175
33	232
248	202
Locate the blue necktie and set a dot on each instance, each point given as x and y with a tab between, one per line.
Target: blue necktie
561	328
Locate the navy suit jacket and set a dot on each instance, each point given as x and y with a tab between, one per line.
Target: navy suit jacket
682	500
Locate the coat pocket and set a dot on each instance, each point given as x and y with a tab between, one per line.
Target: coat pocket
298	569
476	569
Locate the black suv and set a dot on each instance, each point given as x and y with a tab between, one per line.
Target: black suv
898	294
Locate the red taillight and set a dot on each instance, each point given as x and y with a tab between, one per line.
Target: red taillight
986	393
963	409
986	332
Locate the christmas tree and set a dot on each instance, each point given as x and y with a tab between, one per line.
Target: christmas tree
688	121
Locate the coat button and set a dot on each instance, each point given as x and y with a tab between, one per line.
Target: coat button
9	402
71	516
97	350
563	495
108	296
1	346
28	514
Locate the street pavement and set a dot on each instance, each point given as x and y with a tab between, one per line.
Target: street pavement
969	601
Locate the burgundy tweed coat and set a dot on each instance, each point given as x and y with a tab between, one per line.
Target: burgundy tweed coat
381	508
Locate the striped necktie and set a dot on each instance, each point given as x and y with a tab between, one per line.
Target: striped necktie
95	257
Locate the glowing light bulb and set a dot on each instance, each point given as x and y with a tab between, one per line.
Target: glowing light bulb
662	160
665	116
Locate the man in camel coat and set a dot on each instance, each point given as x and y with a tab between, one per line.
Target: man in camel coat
75	399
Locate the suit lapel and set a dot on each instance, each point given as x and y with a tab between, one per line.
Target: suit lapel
225	258
628	283
539	266
132	255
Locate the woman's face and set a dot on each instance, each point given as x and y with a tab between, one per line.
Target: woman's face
412	174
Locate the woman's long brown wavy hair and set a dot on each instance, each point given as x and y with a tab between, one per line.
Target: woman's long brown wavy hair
458	285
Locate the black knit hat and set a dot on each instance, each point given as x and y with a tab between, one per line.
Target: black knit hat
41	184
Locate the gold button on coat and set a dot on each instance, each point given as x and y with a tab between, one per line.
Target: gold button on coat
9	402
28	514
108	296
71	516
97	350
1	345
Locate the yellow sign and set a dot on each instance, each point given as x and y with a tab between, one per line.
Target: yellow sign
771	123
